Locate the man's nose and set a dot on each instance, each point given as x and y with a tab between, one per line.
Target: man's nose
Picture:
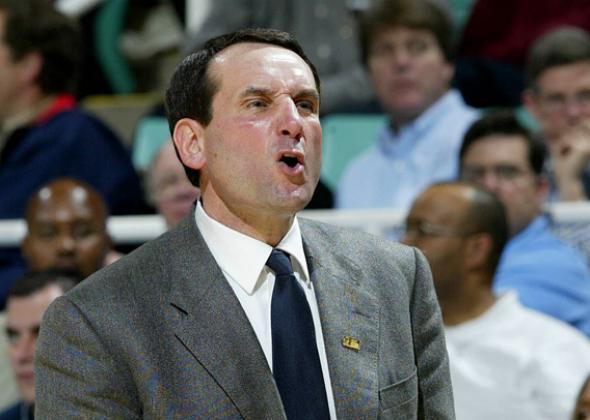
490	181
290	120
573	109
66	243
401	58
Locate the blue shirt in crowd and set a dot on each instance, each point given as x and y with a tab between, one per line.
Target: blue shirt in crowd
404	162
548	275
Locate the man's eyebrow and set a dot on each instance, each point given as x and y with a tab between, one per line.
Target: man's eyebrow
308	93
255	91
261	91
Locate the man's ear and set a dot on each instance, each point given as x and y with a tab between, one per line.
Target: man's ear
188	137
478	250
30	67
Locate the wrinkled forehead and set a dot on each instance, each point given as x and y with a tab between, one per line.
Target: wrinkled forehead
250	61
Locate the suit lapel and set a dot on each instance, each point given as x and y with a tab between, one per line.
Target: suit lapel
216	331
347	309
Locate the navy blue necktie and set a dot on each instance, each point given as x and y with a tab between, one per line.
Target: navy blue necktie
295	359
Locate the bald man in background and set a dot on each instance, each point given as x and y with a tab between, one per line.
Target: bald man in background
66	228
507	361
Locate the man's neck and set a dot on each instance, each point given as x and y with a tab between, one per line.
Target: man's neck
268	228
462	307
25	115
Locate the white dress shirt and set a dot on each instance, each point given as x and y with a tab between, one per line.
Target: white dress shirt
513	363
242	260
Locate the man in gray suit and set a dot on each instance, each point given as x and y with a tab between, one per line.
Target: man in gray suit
199	323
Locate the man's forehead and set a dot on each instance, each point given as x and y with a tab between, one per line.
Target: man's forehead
37	301
492	148
564	76
400	32
64	201
259	58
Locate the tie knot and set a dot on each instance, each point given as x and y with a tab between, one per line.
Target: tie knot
280	263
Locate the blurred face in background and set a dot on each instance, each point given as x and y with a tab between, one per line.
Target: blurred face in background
23	318
560	100
435	226
500	164
409	71
66	229
172	192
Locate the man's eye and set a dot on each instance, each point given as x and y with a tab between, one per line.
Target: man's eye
257	103
82	231
307	105
416	46
473	173
12	335
46	232
507	172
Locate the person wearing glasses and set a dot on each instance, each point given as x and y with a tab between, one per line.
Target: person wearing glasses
547	274
558	96
507	361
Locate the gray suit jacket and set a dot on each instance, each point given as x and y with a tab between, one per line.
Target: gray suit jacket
160	334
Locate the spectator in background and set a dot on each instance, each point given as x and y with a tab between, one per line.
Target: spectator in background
507	361
28	299
407	49
43	135
66	228
558	96
493	45
9	394
548	275
327	30
168	186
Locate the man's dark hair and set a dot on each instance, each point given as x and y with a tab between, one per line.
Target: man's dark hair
35	26
504	122
191	90
487	215
34	281
414	14
562	46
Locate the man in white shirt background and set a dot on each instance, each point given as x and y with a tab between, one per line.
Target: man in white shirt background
507	361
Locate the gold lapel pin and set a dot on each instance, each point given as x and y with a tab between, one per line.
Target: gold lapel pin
351	343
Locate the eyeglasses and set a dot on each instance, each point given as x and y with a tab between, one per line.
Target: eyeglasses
558	102
503	173
423	229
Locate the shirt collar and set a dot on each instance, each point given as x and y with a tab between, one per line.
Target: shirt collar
537	226
245	259
390	138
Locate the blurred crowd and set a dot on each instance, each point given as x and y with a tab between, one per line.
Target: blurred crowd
487	120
